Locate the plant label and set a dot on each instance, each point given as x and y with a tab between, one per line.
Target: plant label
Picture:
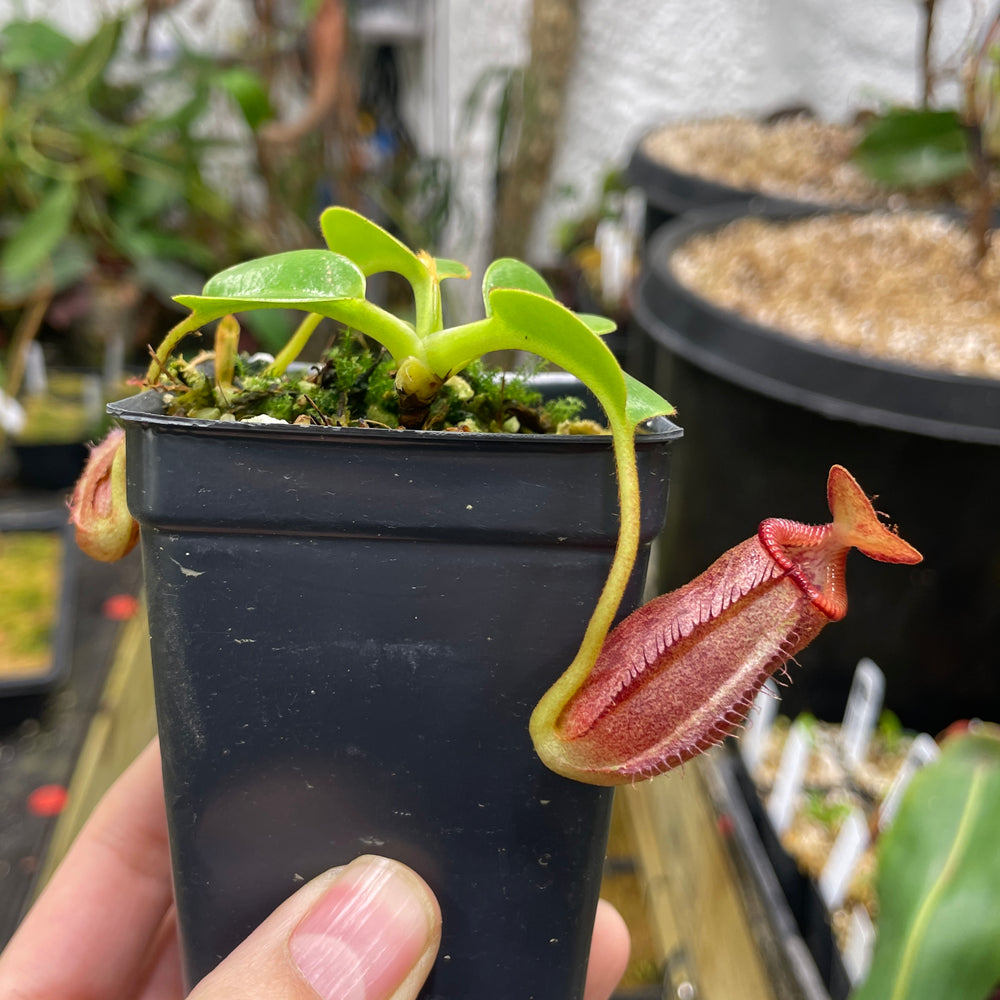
788	780
851	842
864	703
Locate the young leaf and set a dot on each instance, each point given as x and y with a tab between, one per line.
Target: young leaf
32	43
374	250
450	268
370	247
507	272
938	880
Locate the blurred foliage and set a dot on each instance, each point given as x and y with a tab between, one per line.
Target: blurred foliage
939	879
914	148
97	174
110	198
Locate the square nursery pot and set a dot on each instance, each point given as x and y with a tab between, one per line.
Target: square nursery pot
349	631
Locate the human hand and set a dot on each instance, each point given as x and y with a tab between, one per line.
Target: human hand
105	926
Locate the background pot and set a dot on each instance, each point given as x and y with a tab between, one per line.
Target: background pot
350	629
766	416
671	193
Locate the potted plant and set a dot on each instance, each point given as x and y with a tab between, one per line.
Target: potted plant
352	624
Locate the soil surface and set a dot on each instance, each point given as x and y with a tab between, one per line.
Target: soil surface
898	286
797	158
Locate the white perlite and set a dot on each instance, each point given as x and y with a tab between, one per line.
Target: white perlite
895	286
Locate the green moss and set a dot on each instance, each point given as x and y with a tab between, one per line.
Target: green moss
354	383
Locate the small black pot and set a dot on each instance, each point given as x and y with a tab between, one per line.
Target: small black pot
766	416
350	629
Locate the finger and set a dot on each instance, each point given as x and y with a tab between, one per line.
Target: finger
88	934
609	952
369	930
163	979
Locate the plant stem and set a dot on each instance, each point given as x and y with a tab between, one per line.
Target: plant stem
981	216
295	345
170	341
547	712
227	339
926	68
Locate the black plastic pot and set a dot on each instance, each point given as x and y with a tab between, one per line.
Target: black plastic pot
53	466
795	911
350	629
766	416
672	193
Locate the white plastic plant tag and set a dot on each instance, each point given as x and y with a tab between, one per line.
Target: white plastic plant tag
634	214
92	397
35	377
845	854
922	751
864	703
12	416
788	781
616	260
859	946
759	722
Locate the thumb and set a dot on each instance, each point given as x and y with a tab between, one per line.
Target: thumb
367	931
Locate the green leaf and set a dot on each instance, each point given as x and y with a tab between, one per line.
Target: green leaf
88	61
939	880
249	91
644	403
530	321
70	261
294	276
373	250
32	43
370	247
450	268
302	279
914	148
599	324
40	233
507	272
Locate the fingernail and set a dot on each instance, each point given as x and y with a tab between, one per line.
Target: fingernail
366	933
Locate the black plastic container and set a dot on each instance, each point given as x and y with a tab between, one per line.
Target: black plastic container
766	416
672	193
53	466
350	629
797	916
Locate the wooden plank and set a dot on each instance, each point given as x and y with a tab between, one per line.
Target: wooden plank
125	721
699	922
